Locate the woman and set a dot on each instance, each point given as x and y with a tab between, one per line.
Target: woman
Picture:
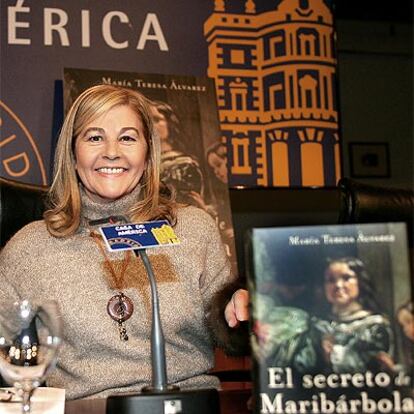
405	319
167	126
180	170
355	337
359	335
107	163
217	160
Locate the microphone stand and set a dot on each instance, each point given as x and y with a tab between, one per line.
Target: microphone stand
158	361
161	398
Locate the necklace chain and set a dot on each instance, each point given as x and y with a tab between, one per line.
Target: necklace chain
117	277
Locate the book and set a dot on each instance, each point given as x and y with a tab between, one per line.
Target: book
331	318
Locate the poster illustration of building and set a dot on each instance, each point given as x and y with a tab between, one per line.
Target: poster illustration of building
275	74
193	157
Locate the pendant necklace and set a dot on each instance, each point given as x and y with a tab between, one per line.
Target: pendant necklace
120	307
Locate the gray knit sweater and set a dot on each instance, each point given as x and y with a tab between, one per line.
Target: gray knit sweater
93	361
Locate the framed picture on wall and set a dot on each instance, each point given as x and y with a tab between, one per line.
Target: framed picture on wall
369	159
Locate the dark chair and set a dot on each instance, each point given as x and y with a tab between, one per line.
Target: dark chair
363	203
19	205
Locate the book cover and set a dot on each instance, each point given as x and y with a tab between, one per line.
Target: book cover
193	153
332	319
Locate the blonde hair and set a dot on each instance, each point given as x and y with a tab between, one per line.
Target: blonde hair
64	201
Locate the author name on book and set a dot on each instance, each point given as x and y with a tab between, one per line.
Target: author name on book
330	239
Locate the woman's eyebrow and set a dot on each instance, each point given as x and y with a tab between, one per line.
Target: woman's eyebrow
124	129
94	129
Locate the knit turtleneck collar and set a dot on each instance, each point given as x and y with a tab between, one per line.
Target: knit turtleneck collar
93	210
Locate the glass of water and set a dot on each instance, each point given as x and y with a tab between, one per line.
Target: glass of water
30	336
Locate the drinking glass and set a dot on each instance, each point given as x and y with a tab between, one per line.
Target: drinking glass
30	336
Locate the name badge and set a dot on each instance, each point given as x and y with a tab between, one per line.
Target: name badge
133	236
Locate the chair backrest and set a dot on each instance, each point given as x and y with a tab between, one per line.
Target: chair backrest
19	204
363	203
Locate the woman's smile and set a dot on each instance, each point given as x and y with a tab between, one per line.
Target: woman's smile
111	170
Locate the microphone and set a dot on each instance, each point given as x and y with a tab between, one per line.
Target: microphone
159	364
160	397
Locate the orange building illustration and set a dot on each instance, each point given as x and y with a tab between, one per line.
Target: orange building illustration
275	75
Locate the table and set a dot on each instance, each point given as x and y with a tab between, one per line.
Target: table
231	402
